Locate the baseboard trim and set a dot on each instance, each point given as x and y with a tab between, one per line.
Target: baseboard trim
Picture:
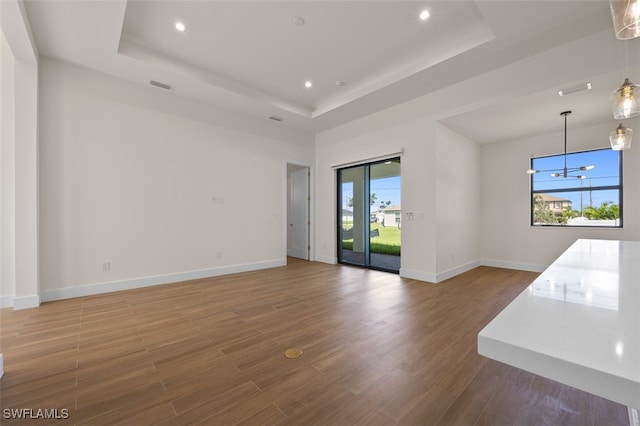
129	284
419	275
108	287
6	301
450	273
531	267
327	259
26	302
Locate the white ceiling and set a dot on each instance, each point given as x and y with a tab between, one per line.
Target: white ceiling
250	56
258	50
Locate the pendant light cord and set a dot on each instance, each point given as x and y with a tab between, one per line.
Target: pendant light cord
565	113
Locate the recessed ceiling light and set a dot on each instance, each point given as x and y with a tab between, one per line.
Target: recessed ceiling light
339	83
180	26
308	84
424	15
298	20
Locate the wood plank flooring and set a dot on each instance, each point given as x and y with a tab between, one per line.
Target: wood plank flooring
377	350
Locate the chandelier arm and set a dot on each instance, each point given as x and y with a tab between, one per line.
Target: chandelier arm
569	169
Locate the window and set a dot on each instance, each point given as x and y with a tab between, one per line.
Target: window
594	200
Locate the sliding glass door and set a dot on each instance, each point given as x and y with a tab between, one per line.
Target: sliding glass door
369	215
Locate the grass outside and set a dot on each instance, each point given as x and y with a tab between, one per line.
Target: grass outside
388	242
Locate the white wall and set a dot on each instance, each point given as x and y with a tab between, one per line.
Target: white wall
507	238
19	210
335	147
7	175
438	169
457	203
128	176
26	185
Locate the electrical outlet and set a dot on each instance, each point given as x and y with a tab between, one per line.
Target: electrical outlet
106	266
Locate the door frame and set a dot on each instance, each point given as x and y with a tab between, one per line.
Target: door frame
288	165
366	165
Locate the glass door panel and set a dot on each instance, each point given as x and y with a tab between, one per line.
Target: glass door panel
352	242
386	214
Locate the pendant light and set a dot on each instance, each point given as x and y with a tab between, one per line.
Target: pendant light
620	138
565	172
626	18
625	100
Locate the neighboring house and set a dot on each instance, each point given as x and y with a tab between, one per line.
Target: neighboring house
392	215
556	205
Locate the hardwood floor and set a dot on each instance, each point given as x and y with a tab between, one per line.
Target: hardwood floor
377	350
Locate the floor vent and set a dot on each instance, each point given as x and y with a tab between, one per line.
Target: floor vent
293	352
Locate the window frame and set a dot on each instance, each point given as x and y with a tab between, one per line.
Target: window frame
619	188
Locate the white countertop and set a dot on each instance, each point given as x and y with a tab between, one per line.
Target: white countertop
578	323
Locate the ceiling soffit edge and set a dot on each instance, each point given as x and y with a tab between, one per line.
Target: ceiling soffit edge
135	51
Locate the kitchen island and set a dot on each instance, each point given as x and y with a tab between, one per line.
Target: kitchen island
578	323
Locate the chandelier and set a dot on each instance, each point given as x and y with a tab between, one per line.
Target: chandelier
565	172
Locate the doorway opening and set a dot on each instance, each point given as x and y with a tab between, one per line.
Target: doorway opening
369	215
298	211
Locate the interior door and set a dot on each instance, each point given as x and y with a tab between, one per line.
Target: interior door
299	214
